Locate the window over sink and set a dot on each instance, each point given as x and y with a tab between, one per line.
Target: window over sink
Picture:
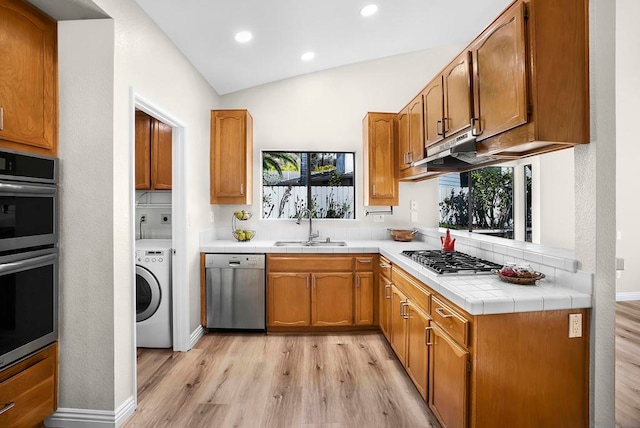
323	182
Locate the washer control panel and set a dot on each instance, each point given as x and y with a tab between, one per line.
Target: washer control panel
151	256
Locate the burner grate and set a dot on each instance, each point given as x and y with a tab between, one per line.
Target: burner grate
451	262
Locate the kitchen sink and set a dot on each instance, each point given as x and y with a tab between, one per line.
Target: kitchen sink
310	244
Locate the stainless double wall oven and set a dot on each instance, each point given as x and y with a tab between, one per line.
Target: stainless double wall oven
28	254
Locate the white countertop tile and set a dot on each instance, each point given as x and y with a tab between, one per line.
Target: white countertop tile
476	294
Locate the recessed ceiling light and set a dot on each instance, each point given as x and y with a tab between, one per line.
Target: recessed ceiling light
369	10
307	56
243	36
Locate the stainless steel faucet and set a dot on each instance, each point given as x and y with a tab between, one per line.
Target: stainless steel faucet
311	234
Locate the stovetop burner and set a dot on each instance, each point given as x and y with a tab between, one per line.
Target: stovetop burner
451	262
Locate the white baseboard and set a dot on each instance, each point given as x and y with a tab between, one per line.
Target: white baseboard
87	418
624	297
196	336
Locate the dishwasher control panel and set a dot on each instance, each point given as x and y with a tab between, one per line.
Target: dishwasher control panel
247	261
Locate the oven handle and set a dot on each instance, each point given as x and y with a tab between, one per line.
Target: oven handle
8	188
7	268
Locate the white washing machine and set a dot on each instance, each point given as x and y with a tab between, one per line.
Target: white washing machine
153	293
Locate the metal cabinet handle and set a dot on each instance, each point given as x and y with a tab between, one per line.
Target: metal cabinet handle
307	283
364	261
474	131
427	336
404	313
373	189
387	287
313	282
438	131
1	118
410	156
8	406
440	312
384	265
358	281
242	189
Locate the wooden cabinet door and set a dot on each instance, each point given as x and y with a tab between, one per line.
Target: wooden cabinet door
398	323
289	299
384	299
381	184
403	139
332	298
433	112
231	157
499	75
161	156
448	379
364	314
143	150
28	79
457	94
417	351
416	129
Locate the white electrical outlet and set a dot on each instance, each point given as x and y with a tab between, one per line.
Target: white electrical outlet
414	217
378	218
575	325
413	205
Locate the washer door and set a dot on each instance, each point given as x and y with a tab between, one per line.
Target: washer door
148	294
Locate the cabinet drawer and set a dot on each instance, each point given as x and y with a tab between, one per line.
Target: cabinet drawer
412	288
31	390
385	268
450	321
310	264
365	263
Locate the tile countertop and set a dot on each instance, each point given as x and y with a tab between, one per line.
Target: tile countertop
476	294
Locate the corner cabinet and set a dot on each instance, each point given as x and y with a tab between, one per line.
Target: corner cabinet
380	166
231	157
28	79
153	153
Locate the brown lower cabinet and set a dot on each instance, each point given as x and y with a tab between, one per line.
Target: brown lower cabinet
449	379
513	369
321	292
28	389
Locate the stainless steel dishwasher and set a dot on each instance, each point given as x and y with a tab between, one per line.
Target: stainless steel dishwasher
235	291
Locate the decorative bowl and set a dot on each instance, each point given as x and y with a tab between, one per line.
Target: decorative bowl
521	280
403	235
244	235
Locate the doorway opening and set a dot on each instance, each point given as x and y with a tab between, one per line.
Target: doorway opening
170	209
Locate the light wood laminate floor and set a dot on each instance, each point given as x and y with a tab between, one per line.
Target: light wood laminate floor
240	380
628	364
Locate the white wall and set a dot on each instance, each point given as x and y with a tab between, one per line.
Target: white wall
627	146
99	69
324	111
595	168
553	181
87	299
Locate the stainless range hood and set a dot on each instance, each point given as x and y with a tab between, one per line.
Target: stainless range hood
454	154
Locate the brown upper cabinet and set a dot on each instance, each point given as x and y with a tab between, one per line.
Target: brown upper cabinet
411	133
380	178
28	79
231	157
153	153
537	54
521	87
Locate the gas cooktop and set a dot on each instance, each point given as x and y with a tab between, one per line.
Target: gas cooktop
451	262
